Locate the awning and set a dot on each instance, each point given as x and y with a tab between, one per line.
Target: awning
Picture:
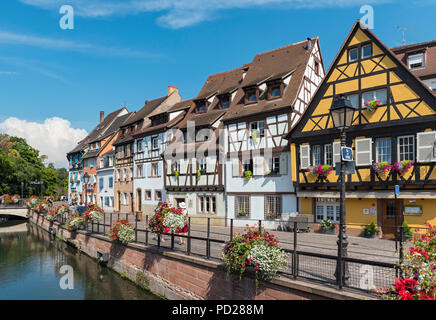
382	194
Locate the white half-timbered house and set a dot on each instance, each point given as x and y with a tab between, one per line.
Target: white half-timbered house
276	89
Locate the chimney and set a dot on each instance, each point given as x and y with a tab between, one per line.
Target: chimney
309	44
101	116
172	89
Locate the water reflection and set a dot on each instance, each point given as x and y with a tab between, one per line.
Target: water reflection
30	262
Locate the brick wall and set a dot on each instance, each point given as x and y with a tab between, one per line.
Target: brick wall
178	276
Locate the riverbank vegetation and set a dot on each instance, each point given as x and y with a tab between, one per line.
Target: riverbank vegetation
20	164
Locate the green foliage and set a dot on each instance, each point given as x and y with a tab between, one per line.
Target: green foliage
248	174
407	231
371	229
19	163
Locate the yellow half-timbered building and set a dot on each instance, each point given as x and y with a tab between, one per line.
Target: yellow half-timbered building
393	137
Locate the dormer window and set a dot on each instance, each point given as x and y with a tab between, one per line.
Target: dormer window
159	119
201	106
416	61
353	54
250	96
316	68
274	91
224	101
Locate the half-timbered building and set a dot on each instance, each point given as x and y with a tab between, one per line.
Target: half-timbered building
276	89
150	143
193	168
393	137
124	148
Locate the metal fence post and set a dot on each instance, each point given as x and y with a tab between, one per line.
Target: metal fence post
172	240
158	239
401	244
188	247
136	227
146	229
208	239
294	255
260	225
231	229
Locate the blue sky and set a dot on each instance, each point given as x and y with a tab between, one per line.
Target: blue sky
130	51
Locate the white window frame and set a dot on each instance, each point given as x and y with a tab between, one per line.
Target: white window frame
349	56
376	148
398	147
422	54
324	203
316	147
361	52
325	153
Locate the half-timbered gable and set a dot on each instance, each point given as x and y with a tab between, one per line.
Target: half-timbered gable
273	96
394	126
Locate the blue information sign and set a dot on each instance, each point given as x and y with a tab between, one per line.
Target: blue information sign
347	154
397	190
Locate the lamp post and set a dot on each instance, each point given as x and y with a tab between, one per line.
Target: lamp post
342	112
86	181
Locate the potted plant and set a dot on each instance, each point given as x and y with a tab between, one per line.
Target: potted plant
403	167
407	231
328	227
254	136
122	231
241	213
198	174
271	215
381	167
371	105
256	250
248	175
321	170
176	173
370	230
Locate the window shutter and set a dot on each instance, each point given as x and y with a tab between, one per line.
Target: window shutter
160	169
363	152
168	162
148	170
210	164
336	153
425	145
304	156
235	167
284	163
183	165
258	166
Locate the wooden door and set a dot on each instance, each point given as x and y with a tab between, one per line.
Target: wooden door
132	203
391	219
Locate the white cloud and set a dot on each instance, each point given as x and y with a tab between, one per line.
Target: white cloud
182	13
68	45
8	73
54	137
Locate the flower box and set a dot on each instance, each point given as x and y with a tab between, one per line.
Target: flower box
321	170
404	166
381	167
371	105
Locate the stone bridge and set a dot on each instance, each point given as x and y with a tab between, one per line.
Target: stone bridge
13	211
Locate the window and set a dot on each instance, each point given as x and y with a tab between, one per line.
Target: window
250	96
274	91
126	199
275	165
111	182
327	208
328	154
139	145
201	106
140	171
416	61
147	194
353	54
176	166
406	148
367	51
273	207
242	206
155	143
158	195
106	201
207	204
383	150
354	99
225	101
375	95
155	169
247	165
100	184
316	155
258	126
316	68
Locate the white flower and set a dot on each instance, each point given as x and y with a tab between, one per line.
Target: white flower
126	233
174	221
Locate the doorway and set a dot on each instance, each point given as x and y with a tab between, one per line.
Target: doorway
139	200
391	217
132	203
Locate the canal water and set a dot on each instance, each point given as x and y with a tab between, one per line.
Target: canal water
30	268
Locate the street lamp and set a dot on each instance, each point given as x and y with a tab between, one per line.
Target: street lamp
86	181
342	112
